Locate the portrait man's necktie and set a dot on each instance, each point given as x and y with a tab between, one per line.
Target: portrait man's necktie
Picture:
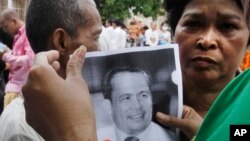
131	139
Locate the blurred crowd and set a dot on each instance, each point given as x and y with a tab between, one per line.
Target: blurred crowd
136	34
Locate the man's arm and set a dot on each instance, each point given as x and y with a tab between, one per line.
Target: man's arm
57	108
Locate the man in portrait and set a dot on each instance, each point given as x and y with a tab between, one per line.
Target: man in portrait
128	90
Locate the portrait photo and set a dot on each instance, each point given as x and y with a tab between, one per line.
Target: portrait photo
129	86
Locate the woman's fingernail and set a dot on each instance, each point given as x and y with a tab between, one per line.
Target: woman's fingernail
160	115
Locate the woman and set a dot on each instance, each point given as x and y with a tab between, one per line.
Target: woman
212	44
231	107
213	37
164	34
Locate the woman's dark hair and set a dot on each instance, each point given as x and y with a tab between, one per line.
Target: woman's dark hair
175	10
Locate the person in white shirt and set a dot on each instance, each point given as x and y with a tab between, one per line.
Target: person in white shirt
128	91
110	29
152	35
119	35
13	124
164	34
105	42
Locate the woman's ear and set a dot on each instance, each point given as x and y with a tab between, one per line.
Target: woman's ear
61	40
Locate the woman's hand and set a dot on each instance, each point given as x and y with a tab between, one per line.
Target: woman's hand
189	124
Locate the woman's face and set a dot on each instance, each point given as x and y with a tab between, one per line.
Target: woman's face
213	36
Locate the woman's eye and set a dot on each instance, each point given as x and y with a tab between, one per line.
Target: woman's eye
227	26
193	24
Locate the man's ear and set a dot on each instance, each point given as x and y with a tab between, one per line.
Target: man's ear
61	40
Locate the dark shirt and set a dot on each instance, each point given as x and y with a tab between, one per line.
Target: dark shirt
2	65
5	38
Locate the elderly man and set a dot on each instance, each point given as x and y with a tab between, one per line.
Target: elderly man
61	25
20	58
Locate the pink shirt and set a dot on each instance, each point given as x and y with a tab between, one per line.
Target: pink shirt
20	58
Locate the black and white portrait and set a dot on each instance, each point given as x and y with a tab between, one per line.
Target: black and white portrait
129	86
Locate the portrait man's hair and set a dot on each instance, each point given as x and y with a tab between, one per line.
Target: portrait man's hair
106	83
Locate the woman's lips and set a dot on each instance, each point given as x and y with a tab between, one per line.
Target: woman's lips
203	61
204	58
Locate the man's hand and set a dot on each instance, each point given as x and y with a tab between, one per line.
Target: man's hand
57	108
189	124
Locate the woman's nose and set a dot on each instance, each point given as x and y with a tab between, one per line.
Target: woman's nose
208	39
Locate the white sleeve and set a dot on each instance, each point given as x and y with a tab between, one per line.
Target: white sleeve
156	34
14	126
123	39
147	36
105	42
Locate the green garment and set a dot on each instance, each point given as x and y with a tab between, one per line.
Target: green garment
232	107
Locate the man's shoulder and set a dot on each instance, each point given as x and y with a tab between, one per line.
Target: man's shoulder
13	115
13	124
14	109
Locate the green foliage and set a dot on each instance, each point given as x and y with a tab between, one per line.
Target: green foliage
121	8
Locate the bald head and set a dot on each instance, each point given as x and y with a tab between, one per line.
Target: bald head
9	14
10	21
